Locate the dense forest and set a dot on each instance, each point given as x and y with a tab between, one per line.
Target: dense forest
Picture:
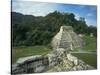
30	30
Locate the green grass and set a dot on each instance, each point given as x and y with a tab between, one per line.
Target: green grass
18	52
90	46
91	43
90	59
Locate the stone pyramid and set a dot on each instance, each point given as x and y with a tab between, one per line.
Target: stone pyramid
66	38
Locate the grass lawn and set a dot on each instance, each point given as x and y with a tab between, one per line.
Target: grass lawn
91	43
18	52
90	59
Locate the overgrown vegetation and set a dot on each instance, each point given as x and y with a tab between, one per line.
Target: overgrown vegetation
29	30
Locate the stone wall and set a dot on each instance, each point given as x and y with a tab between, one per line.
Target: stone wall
31	64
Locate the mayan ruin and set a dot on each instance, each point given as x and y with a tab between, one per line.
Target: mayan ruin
59	59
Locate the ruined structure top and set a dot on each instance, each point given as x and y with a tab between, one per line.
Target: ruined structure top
66	28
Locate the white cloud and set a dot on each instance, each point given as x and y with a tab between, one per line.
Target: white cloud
34	8
82	6
90	22
77	16
90	15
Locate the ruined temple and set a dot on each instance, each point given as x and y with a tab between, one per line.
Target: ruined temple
59	59
66	38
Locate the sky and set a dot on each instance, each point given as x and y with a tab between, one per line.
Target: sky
89	12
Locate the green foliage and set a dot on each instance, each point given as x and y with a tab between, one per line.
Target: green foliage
28	30
92	29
